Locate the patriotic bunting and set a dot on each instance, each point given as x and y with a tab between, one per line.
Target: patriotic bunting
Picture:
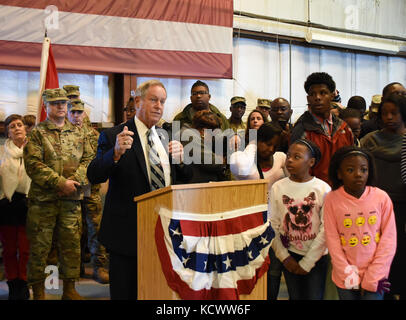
214	256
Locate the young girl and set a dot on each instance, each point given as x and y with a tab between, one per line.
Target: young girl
270	166
360	227
299	242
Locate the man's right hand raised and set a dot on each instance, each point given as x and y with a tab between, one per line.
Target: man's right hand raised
124	141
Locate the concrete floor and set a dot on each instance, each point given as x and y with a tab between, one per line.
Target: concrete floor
86	287
92	290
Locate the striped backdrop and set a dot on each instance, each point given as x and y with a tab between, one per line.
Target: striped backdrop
191	38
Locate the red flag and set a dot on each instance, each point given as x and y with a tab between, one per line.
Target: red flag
48	77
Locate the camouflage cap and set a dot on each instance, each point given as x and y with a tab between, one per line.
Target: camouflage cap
72	90
50	95
76	105
375	102
264	103
236	99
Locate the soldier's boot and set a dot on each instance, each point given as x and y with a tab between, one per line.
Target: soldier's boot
69	291
38	290
101	275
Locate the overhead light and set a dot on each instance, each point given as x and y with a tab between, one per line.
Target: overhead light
351	42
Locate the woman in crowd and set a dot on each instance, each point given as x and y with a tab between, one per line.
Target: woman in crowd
385	145
14	187
270	165
255	119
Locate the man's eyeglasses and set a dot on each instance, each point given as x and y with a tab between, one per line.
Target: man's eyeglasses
129	109
197	93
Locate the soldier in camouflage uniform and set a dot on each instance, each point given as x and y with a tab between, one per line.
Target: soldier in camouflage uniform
264	105
56	159
72	92
91	204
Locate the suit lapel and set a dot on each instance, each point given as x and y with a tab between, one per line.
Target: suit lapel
136	147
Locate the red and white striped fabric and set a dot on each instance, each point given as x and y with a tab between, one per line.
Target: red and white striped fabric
214	256
168	37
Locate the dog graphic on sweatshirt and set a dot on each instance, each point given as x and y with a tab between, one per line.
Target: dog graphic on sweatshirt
298	220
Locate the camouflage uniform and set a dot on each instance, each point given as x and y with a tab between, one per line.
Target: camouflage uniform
51	156
74	92
92	206
91	203
238	128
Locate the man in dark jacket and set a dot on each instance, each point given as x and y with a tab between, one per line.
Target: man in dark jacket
133	157
200	97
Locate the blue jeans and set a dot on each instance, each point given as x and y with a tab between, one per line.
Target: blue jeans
274	275
310	286
346	294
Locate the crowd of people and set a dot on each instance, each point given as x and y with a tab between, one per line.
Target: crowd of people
336	182
50	214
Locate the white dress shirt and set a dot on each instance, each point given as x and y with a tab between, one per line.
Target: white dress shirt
163	156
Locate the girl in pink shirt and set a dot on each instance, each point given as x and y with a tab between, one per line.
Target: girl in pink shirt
359	227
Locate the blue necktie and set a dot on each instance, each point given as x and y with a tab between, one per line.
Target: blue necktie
157	172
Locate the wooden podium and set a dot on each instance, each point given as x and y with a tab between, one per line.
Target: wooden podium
208	198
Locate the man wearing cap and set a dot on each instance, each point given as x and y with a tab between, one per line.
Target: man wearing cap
264	105
72	91
91	203
372	123
237	108
199	97
56	158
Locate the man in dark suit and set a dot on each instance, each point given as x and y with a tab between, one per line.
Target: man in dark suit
124	158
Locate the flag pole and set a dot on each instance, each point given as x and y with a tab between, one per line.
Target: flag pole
42	74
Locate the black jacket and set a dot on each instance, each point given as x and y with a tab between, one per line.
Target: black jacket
128	178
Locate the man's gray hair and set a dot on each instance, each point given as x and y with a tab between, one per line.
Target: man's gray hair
143	87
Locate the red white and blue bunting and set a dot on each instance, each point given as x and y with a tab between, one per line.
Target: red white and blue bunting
214	256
